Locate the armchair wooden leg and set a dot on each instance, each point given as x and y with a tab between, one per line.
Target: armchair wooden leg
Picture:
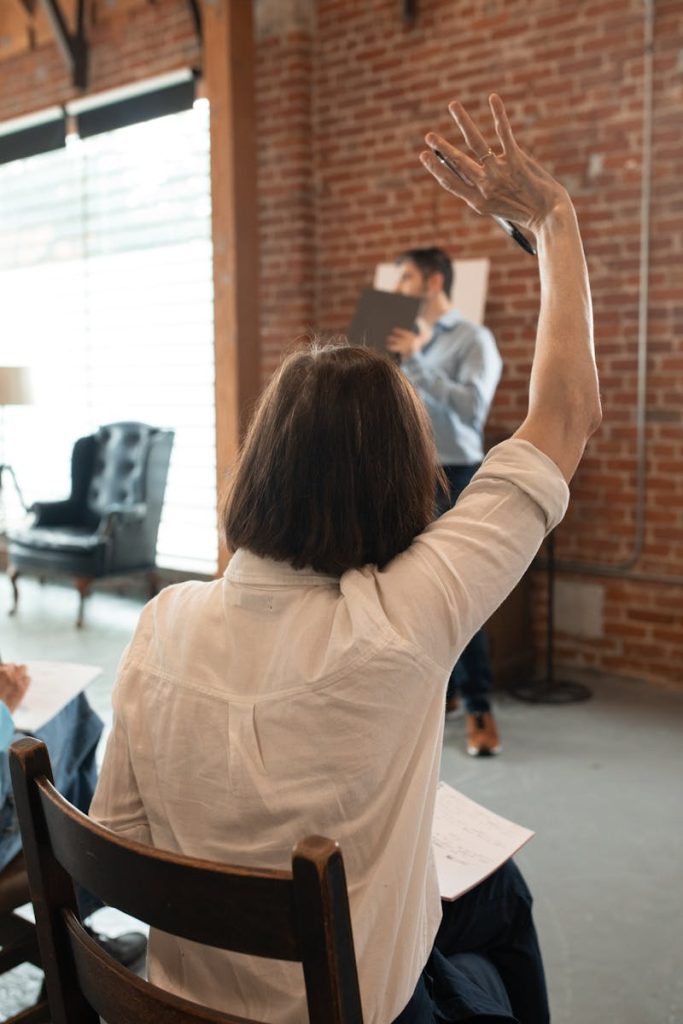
14	574
83	584
152	584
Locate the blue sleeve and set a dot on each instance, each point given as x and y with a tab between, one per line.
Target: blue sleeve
462	376
6	727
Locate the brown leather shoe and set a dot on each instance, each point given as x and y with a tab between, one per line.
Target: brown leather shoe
482	735
453	709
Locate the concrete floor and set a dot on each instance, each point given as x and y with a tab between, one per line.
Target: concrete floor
600	782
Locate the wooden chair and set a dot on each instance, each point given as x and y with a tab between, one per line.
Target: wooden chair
18	937
302	915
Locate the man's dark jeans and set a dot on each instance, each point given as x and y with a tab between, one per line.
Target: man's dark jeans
471	675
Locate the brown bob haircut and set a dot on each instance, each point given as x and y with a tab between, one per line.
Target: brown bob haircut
338	468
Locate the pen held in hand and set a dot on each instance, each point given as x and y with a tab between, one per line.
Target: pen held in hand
507	226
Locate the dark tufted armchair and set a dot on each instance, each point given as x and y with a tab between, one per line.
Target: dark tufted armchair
109	523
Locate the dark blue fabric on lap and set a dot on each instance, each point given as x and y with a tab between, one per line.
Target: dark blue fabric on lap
486	965
463	987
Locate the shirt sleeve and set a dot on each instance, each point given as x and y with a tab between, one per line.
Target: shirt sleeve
467	378
6	727
453	577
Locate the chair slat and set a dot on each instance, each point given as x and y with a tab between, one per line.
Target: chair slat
300	916
119	995
119	872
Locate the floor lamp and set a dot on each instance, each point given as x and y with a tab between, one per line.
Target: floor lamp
547	689
15	389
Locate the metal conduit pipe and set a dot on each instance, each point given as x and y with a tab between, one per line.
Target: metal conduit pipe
623	569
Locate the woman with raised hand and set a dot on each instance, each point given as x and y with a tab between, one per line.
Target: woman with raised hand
303	692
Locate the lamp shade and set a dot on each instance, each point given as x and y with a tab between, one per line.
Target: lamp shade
15	386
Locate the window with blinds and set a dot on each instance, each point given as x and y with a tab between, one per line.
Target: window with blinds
106	294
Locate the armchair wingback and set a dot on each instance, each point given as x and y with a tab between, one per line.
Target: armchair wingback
109	523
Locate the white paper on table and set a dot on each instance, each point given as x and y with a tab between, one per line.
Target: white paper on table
53	684
470	841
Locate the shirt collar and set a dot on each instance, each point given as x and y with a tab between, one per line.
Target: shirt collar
449	319
246	567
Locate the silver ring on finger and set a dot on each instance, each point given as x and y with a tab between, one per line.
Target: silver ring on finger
486	155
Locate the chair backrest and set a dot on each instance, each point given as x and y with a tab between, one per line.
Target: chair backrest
125	467
302	915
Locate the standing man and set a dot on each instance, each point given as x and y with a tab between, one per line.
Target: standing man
455	367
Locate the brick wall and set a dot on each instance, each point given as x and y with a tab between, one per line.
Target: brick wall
345	92
287	202
573	76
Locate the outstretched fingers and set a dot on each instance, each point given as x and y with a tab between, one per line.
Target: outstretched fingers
471	134
452	177
460	164
502	124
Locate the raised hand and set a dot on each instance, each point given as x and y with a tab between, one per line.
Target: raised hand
508	184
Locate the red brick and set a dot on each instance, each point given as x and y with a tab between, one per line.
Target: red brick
342	113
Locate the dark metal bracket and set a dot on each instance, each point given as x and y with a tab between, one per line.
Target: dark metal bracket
29	8
196	18
73	46
409	11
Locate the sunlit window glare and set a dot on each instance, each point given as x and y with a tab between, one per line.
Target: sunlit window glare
106	291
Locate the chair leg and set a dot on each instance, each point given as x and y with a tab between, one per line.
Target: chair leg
14	574
83	584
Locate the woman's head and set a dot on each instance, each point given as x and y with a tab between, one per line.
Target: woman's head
338	468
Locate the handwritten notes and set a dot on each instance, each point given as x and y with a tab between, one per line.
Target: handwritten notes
470	841
53	684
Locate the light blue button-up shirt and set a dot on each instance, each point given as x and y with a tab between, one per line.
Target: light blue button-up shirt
6	727
456	375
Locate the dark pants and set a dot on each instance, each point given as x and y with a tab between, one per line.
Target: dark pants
486	963
471	675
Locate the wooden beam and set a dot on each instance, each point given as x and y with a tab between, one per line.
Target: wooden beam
228	69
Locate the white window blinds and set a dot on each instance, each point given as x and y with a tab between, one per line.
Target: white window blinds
106	293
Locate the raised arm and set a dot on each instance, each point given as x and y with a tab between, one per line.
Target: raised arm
564	401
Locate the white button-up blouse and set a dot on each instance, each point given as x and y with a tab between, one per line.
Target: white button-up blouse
273	703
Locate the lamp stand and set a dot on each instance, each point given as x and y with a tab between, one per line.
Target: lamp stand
547	689
5	467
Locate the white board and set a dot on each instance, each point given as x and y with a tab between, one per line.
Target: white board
469	291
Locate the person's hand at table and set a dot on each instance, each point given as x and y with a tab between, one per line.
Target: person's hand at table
14	682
